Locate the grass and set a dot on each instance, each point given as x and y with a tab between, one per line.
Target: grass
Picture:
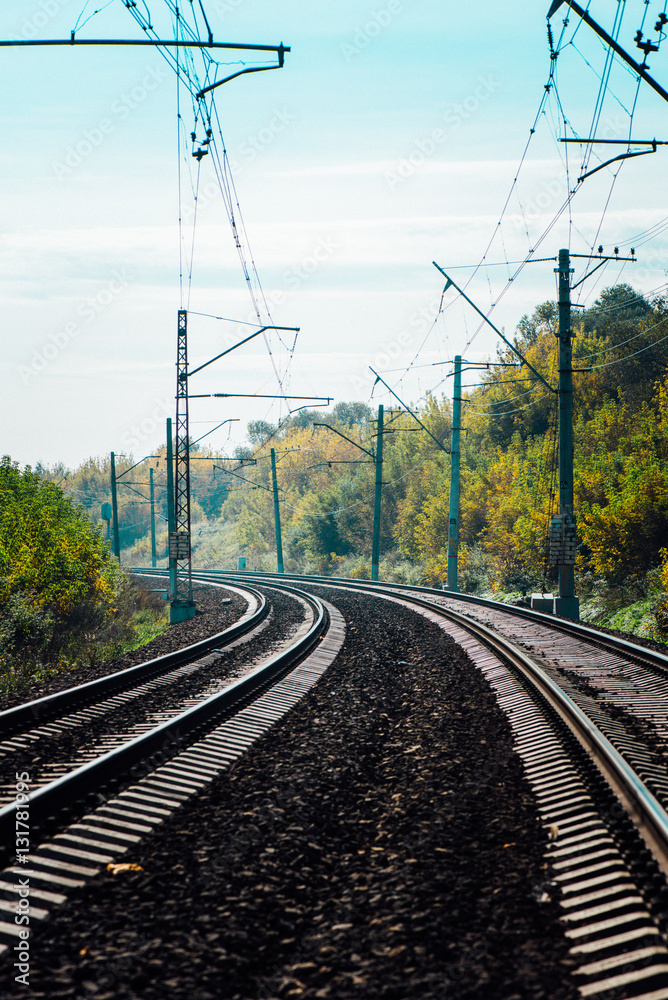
23	669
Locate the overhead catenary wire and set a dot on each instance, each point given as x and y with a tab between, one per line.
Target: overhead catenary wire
81	24
629	340
206	112
503	413
627	357
552	84
483	260
367	499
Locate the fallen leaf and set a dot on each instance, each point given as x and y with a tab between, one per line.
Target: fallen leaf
115	869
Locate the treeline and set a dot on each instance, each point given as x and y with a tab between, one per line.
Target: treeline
89	485
63	600
508	468
508	484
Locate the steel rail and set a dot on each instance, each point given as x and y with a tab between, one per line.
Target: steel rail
140	755
650	816
41	710
640	654
646	811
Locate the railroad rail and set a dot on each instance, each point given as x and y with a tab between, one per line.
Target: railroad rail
588	713
43	710
601	782
126	792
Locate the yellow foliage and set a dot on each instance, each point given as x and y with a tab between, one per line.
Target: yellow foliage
48	548
664	567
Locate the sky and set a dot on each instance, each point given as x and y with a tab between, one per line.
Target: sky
398	133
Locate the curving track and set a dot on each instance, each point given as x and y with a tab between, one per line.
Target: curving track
588	715
174	750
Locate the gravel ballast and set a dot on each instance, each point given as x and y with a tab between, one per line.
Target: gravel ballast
380	842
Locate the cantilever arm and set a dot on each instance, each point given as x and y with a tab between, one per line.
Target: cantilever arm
244	341
350	440
257	486
249	69
622	156
524	361
408	410
639	69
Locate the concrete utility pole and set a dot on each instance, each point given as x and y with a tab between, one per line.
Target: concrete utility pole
375	545
453	520
376	457
277	514
563	529
154	557
116	545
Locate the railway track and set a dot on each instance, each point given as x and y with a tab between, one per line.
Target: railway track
587	714
46	717
135	773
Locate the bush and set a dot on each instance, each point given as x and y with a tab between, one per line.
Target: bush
63	599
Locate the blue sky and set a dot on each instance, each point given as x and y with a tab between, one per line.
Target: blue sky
390	139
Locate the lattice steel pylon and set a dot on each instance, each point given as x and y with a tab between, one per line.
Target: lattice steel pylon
182	606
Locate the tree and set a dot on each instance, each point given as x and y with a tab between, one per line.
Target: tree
258	431
352	414
631	353
49	550
617	310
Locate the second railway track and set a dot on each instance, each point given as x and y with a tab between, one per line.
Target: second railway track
584	755
610	884
175	752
